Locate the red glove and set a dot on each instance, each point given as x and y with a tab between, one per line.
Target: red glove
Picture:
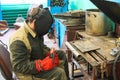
47	63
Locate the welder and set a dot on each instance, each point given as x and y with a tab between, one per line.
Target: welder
31	59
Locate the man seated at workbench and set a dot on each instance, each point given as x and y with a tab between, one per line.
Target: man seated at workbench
31	59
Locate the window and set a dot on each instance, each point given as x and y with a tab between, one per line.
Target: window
23	2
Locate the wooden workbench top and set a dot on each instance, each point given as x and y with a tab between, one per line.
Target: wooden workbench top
95	49
104	42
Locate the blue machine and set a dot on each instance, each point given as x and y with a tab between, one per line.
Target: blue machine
60	32
59	6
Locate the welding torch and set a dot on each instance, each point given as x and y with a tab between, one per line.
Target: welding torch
52	54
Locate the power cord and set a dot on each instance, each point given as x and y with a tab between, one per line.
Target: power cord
4	44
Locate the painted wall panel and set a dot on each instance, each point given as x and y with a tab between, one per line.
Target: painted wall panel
80	4
0	12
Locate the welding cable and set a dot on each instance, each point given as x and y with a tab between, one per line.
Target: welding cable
4	44
114	65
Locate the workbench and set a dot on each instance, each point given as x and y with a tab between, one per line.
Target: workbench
93	52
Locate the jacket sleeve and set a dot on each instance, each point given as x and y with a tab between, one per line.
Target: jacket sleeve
20	58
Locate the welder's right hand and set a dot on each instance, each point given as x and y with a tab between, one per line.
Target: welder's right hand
52	50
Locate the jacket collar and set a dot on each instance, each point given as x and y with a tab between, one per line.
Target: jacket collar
28	29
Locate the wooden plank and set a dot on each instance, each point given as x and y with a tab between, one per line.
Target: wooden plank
85	45
100	56
86	56
91	60
96	57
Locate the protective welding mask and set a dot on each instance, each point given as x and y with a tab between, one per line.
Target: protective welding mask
44	21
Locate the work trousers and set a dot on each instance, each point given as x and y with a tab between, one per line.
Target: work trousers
61	72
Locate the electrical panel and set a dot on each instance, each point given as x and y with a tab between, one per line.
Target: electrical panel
57	3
